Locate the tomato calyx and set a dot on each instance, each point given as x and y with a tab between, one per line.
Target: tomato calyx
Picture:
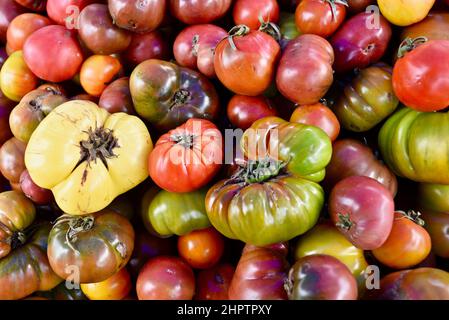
179	98
195	45
184	139
76	226
258	171
333	4
410	44
344	222
270	28
237	31
414	216
288	283
17	239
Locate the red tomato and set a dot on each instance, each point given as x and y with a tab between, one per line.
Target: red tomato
165	278
320	116
243	110
12	163
201	249
53	53
245	62
199	11
97	72
66	12
33	191
363	210
145	46
251	12
116	287
213	284
9	9
186	158
420	76
22	27
320	17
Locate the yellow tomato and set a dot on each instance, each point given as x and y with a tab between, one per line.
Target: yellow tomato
87	156
405	13
116	287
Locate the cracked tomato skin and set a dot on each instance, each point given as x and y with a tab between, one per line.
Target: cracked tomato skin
80	186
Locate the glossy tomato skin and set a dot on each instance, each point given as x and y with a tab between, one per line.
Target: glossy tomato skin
12	163
109	235
249	67
202	249
403	13
23	26
213	283
363	210
34	5
98	31
317	115
357	44
6	106
437	224
9	9
317	17
429	64
165	278
115	287
305	71
37	194
97	72
367	100
53	53
199	11
356	6
65	12
168	95
433	197
243	111
353	158
137	16
116	97
434	27
250	12
188	157
320	277
194	47
145	46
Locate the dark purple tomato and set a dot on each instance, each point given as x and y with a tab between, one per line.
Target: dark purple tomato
213	284
145	46
117	98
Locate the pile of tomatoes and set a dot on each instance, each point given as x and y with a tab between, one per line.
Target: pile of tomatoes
219	149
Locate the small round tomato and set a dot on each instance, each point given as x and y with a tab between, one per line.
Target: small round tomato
253	13
165	278
97	72
199	11
320	116
115	287
408	243
145	46
12	162
33	191
16	79
65	12
9	9
201	249
213	284
243	111
404	13
117	97
320	17
22	27
419	75
363	210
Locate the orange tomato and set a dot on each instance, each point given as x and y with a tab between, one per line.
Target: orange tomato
116	287
21	27
97	72
407	245
201	248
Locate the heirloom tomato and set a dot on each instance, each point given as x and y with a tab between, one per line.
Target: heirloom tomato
305	71
168	95
65	12
434	27
116	97
80	152
79	241
16	79
437	224
419	75
243	111
199	11
317	115
361	41
53	53
137	15
194	47
213	284
356	6
273	197
411	145
260	274
165	278
9	9
34	5
166	213
434	197
145	46
320	277
404	13
22	27
61	292
245	61
115	287
97	72
254	13
37	194
188	157
26	269
367	100
6	107
12	159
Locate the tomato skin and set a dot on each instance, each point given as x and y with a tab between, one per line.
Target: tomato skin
316	17
243	111
12	159
53	53
97	72
433	197
305	73
202	249
437	224
249	12
320	277
23	26
59	10
250	68
403	13
116	97
434	27
318	115
356	6
198	11
145	46
213	283
9	9
34	5
407	245
137	16
115	287
165	278
368	208
37	194
260	274
356	45
6	106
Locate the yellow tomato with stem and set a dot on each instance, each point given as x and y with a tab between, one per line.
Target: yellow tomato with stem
404	13
87	156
